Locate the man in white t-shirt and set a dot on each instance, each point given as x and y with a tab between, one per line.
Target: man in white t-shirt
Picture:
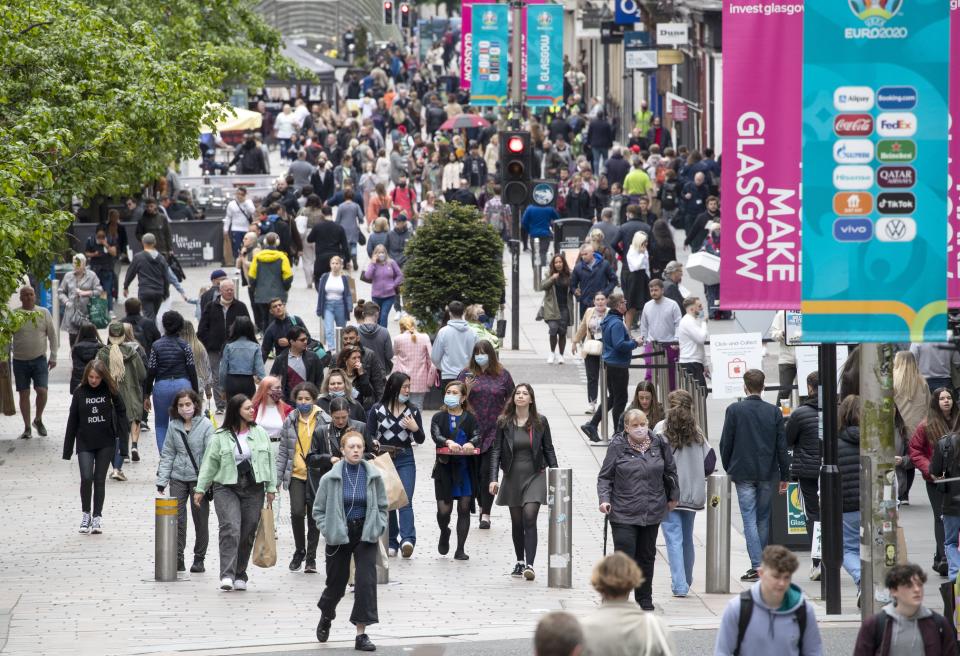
239	215
692	334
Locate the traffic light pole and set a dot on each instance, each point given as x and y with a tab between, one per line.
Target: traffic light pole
516	97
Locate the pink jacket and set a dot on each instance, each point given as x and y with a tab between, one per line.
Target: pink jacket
413	358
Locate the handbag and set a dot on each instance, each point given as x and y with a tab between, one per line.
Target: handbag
99	314
539	316
265	545
208	495
362	239
592	347
396	495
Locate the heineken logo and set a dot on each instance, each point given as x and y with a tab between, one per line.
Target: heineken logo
896	150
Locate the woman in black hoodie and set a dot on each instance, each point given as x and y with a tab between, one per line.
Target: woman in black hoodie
96	422
84	350
848	456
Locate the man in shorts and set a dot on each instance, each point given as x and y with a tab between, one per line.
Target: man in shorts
30	361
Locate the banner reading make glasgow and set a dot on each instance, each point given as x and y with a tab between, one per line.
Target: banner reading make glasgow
544	55
875	80
760	267
491	49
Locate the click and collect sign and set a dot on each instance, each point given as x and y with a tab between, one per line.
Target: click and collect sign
731	356
491	48
875	85
544	58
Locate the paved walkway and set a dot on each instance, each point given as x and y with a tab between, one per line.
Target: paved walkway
66	593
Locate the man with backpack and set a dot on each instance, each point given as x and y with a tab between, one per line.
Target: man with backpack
905	626
773	616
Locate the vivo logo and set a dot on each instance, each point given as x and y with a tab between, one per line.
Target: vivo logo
852	230
853	151
853	99
853	178
896	124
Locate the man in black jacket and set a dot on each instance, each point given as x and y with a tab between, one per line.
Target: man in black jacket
803	438
297	364
145	331
672	275
617	167
753	450
216	320
282	322
600	138
150	269
330	239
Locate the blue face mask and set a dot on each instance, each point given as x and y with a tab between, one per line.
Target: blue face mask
403	398
338	395
305	408
451	401
482	359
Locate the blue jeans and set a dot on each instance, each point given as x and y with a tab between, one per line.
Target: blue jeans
401	528
386	304
163	393
951	529
754	499
334	315
851	544
106	282
677	529
236	241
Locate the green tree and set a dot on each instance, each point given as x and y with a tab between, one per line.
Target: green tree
94	99
454	255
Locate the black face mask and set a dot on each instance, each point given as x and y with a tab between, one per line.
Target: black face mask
402	184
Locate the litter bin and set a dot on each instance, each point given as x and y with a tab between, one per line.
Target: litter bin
788	521
570	233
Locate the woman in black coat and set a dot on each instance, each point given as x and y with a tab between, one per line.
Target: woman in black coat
84	350
523	449
848	459
662	249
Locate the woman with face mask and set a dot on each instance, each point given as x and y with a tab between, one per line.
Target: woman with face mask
337	385
325	448
300	429
188	435
638	486
457	437
523	448
490	386
394	425
385	277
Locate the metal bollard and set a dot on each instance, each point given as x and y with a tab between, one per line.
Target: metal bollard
165	554
718	533
383	562
338	338
604	430
54	291
560	528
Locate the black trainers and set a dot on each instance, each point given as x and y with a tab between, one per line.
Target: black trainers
443	546
363	643
750	575
517	572
181	565
646	604
297	561
323	628
41	429
528	573
135	453
310	567
461	555
25	435
590	431
197	567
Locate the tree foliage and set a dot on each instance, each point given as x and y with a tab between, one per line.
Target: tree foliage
454	255
99	97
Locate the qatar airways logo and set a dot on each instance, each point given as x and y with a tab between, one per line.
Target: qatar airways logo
853	125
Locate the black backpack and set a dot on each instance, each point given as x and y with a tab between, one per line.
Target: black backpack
668	196
746	611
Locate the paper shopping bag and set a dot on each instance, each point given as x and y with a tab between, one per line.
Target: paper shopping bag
265	545
396	495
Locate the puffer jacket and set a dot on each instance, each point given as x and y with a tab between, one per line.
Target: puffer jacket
83	351
848	459
270	275
174	461
636	486
945	463
803	437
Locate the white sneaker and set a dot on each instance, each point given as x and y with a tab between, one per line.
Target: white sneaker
85	523
591	408
95	527
240	585
559	358
815	572
550	358
226	584
391	552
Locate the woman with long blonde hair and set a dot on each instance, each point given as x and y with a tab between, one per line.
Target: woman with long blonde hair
200	359
128	371
912	398
411	356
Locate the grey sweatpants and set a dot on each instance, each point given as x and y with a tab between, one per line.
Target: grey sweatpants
238	511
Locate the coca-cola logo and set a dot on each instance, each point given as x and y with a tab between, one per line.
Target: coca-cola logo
853	125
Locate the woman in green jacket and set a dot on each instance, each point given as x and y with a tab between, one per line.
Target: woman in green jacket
238	464
351	512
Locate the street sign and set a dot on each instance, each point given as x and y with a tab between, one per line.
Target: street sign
627	12
588	27
672	34
669	57
679	111
640	59
610	32
636	40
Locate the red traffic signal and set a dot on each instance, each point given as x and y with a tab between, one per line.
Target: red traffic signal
388	12
515	145
405	8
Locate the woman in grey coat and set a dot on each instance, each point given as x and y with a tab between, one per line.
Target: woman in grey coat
637	486
75	293
188	435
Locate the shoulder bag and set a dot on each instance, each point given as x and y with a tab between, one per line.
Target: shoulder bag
208	495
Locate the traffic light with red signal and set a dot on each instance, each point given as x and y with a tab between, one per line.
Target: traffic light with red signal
388	12
405	15
515	163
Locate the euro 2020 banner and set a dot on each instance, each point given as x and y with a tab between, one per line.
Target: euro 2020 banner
491	49
875	85
544	55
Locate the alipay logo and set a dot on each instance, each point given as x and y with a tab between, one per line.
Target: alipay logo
853	99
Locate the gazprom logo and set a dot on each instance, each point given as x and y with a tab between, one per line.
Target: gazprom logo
853	151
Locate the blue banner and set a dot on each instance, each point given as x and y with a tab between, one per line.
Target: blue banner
491	49
875	89
626	12
544	55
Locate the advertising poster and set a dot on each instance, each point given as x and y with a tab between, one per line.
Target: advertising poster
953	192
466	40
760	267
491	50
796	517
544	72
730	357
875	92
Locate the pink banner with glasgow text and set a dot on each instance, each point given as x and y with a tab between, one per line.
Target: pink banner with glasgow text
762	123
953	168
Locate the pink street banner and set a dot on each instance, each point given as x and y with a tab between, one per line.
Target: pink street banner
762	105
953	168
466	40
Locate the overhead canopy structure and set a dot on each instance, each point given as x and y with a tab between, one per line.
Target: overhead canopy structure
236	119
308	60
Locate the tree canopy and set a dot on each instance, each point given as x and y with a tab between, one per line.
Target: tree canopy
98	97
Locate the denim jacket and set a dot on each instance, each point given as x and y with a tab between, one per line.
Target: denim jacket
241	357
